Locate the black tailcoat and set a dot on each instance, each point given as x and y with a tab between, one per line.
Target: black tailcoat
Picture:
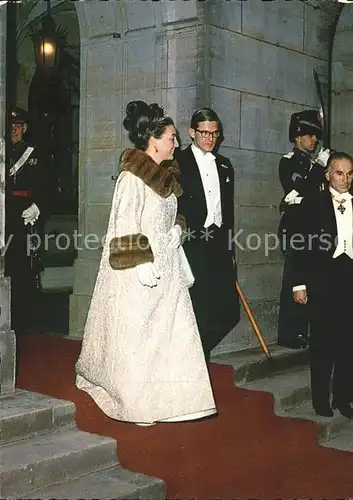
328	281
214	296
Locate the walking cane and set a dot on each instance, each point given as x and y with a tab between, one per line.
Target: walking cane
252	321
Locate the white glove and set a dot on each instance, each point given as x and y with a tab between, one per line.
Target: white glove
147	274
30	214
292	198
323	157
174	236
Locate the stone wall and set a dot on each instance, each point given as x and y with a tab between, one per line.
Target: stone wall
261	60
129	50
342	83
2	123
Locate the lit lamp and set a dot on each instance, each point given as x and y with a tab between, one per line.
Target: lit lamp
47	53
48	42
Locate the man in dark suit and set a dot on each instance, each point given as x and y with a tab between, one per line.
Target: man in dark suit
207	179
301	177
26	200
322	278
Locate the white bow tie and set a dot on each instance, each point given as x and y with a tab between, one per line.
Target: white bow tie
341	197
209	157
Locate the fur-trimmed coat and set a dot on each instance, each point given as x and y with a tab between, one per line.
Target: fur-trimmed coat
141	358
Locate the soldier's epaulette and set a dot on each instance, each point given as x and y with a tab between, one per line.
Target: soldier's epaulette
288	155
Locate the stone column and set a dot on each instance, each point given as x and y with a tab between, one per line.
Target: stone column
129	50
7	337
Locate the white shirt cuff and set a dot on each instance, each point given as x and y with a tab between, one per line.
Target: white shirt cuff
298	288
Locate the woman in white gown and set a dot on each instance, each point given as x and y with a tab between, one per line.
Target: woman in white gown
141	359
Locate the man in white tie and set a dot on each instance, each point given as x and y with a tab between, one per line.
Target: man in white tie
207	179
323	276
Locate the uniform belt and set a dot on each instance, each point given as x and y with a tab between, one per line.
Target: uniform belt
22	193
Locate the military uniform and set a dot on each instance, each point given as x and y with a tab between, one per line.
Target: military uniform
25	207
301	177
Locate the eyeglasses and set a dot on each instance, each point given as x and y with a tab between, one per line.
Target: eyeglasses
205	134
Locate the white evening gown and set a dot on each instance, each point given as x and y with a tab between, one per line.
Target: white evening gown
141	359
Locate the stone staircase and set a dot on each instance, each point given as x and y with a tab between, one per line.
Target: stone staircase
286	376
44	455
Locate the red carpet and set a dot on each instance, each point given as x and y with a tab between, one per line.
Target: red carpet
244	453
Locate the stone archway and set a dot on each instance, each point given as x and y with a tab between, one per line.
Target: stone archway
129	50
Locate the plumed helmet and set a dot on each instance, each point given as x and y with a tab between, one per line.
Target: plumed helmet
306	122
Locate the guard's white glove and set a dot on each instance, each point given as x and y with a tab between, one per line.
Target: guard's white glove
30	214
293	198
174	236
147	274
323	157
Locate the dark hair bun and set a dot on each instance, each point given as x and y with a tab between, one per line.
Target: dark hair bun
141	121
139	110
134	110
156	111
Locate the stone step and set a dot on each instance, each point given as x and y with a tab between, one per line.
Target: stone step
113	483
290	389
252	364
53	458
25	414
57	278
328	428
342	442
7	344
287	377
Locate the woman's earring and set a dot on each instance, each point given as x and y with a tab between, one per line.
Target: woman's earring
156	149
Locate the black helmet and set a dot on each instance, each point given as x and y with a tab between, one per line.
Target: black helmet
18	115
305	123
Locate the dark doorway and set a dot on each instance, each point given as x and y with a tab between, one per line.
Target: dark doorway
51	95
53	109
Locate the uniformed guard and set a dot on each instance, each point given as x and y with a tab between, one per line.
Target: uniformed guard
25	206
301	176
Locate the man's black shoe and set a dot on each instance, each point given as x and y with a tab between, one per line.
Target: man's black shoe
324	412
345	409
299	342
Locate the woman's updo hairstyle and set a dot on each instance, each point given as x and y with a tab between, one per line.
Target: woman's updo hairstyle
144	121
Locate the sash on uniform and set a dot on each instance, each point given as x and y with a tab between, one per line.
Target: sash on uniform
16	166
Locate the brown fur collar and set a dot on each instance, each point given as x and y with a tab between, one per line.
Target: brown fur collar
163	178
